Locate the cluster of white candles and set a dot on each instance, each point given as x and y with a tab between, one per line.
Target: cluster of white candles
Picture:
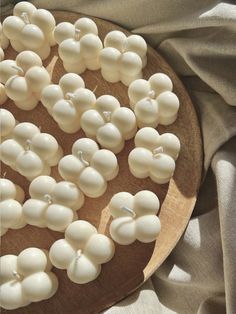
25	149
92	163
67	101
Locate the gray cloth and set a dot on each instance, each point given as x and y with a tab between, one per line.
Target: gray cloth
198	38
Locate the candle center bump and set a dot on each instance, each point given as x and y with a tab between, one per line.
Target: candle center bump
78	254
25	17
48	198
27	145
157	151
107	116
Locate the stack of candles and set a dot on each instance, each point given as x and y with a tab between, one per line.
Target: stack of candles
87	170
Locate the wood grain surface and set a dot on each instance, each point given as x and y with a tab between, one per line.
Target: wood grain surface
132	264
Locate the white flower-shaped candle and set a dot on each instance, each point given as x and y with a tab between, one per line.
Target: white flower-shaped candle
134	217
3	95
153	101
7	123
52	205
24	79
123	58
79	45
11	198
82	252
154	155
89	167
66	101
26	278
4	42
30	152
109	123
30	29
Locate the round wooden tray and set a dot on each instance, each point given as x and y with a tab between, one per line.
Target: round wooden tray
132	264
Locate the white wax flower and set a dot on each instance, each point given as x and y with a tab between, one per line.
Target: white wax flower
154	155
30	28
89	167
134	217
79	45
123	58
26	150
52	205
3	95
82	252
66	101
153	101
109	123
24	79
7	123
4	42
26	278
11	199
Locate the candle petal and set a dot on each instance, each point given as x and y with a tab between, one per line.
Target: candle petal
59	260
83	270
147	228
99	248
123	230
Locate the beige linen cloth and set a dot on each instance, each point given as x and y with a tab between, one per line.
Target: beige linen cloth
198	39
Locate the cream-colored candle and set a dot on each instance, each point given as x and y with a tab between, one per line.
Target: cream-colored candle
30	29
134	217
89	167
123	58
7	123
3	95
24	79
82	252
28	151
26	278
4	42
11	199
79	45
154	155
153	101
66	101
109	123
52	205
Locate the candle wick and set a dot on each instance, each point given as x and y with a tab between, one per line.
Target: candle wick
124	48
69	95
151	94
157	151
95	88
4	175
78	254
20	71
107	115
16	274
25	17
77	34
27	144
48	198
128	210
81	158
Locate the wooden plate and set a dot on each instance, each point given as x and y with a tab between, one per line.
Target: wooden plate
132	264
